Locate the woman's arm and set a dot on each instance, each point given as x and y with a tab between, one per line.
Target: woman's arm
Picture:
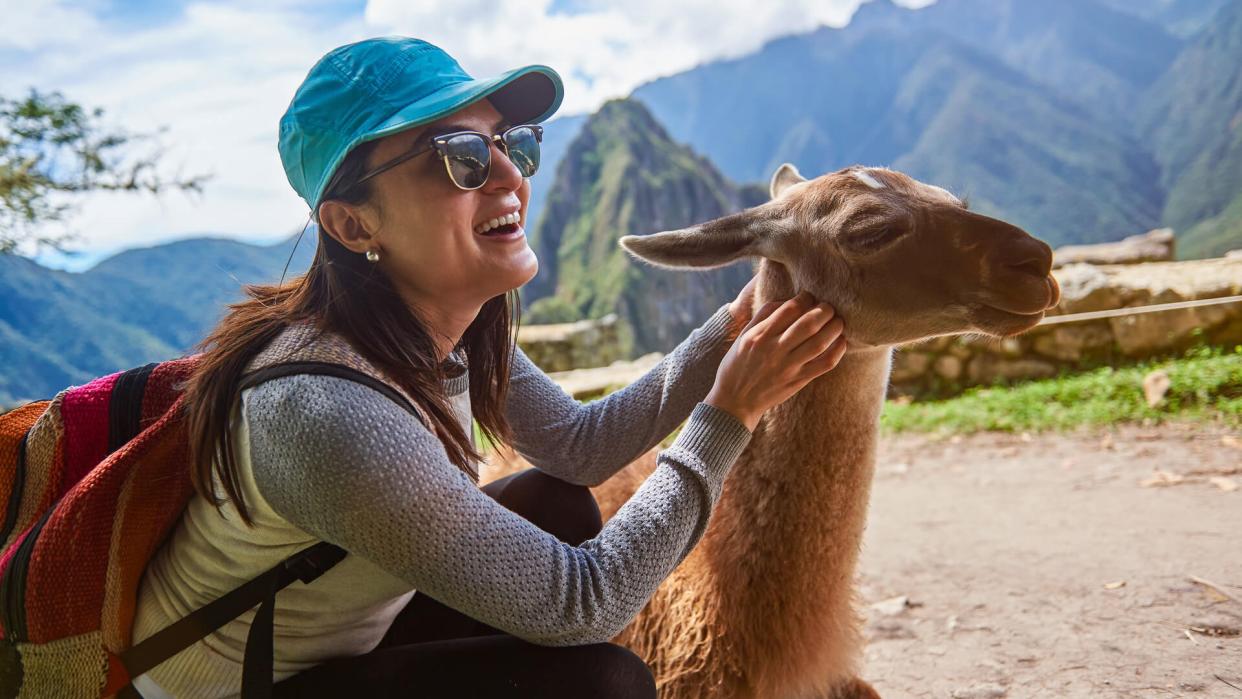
587	444
345	464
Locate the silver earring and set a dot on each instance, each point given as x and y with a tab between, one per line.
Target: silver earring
372	256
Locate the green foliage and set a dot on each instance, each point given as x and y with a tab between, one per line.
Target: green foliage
623	175
550	309
50	145
1205	384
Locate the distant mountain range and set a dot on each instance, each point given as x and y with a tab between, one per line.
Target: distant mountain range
1079	120
150	304
1047	113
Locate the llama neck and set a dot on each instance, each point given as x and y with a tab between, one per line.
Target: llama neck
777	561
793	508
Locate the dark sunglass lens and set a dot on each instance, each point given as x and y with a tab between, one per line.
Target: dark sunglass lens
468	157
523	147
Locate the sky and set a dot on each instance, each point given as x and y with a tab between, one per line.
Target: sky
216	76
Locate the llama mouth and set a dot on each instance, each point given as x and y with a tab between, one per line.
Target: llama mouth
1004	323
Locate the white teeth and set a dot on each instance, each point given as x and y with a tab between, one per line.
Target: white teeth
501	221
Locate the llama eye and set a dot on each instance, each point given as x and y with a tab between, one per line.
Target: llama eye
875	239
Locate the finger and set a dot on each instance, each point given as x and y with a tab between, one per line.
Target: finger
748	291
818	342
745	301
764	311
807	325
788	312
826	361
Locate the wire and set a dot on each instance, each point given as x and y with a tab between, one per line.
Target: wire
1135	310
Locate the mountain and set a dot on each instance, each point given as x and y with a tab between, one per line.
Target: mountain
1183	18
896	87
557	135
1100	57
623	175
1037	110
59	329
1193	121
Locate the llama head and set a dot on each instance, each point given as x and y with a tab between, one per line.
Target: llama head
899	259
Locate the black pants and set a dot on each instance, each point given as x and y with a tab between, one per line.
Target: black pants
434	651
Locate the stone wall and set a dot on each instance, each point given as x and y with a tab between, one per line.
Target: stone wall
565	346
945	365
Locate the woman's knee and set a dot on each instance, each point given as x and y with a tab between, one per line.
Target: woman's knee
562	509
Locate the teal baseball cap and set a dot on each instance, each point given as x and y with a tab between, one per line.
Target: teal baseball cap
379	86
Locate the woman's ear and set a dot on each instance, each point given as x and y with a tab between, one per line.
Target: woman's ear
348	225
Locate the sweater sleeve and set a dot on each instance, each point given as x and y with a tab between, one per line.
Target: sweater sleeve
345	464
587	443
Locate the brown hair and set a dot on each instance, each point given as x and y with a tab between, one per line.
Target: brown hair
344	294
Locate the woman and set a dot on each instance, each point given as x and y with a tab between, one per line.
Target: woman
447	590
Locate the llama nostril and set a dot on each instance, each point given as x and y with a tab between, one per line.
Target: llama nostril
1033	266
1031	256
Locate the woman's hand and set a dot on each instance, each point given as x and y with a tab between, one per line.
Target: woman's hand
781	349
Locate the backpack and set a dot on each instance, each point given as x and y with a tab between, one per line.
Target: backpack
91	482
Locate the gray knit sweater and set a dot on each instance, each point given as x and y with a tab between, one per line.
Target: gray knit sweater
330	459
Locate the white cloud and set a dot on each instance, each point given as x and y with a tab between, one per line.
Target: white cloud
220	74
616	46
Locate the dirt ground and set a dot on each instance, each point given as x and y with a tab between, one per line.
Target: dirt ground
1042	566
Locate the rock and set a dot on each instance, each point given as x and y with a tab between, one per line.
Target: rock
588	383
960	350
987	368
1152	246
908	365
1146	334
892	606
982	690
566	346
1006	347
1075	341
1085	288
1155	385
948	367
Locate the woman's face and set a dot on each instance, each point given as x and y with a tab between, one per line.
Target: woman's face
425	227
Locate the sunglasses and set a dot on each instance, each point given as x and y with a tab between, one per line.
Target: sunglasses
467	155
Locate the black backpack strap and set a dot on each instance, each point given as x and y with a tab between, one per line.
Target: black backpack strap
305	565
326	369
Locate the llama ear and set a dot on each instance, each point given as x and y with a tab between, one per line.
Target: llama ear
785	177
707	245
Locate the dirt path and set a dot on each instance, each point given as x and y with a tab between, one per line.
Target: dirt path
1011	552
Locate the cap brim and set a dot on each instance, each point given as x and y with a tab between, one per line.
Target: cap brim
523	95
526	95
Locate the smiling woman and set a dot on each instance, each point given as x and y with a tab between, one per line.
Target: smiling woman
333	413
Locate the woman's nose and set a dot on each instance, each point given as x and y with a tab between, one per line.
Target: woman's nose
504	174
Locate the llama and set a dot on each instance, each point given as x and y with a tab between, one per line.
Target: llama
763	607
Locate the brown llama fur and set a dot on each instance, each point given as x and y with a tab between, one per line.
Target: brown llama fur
764	607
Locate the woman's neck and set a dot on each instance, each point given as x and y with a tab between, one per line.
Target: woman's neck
446	324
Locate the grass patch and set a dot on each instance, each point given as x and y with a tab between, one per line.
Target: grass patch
1205	385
